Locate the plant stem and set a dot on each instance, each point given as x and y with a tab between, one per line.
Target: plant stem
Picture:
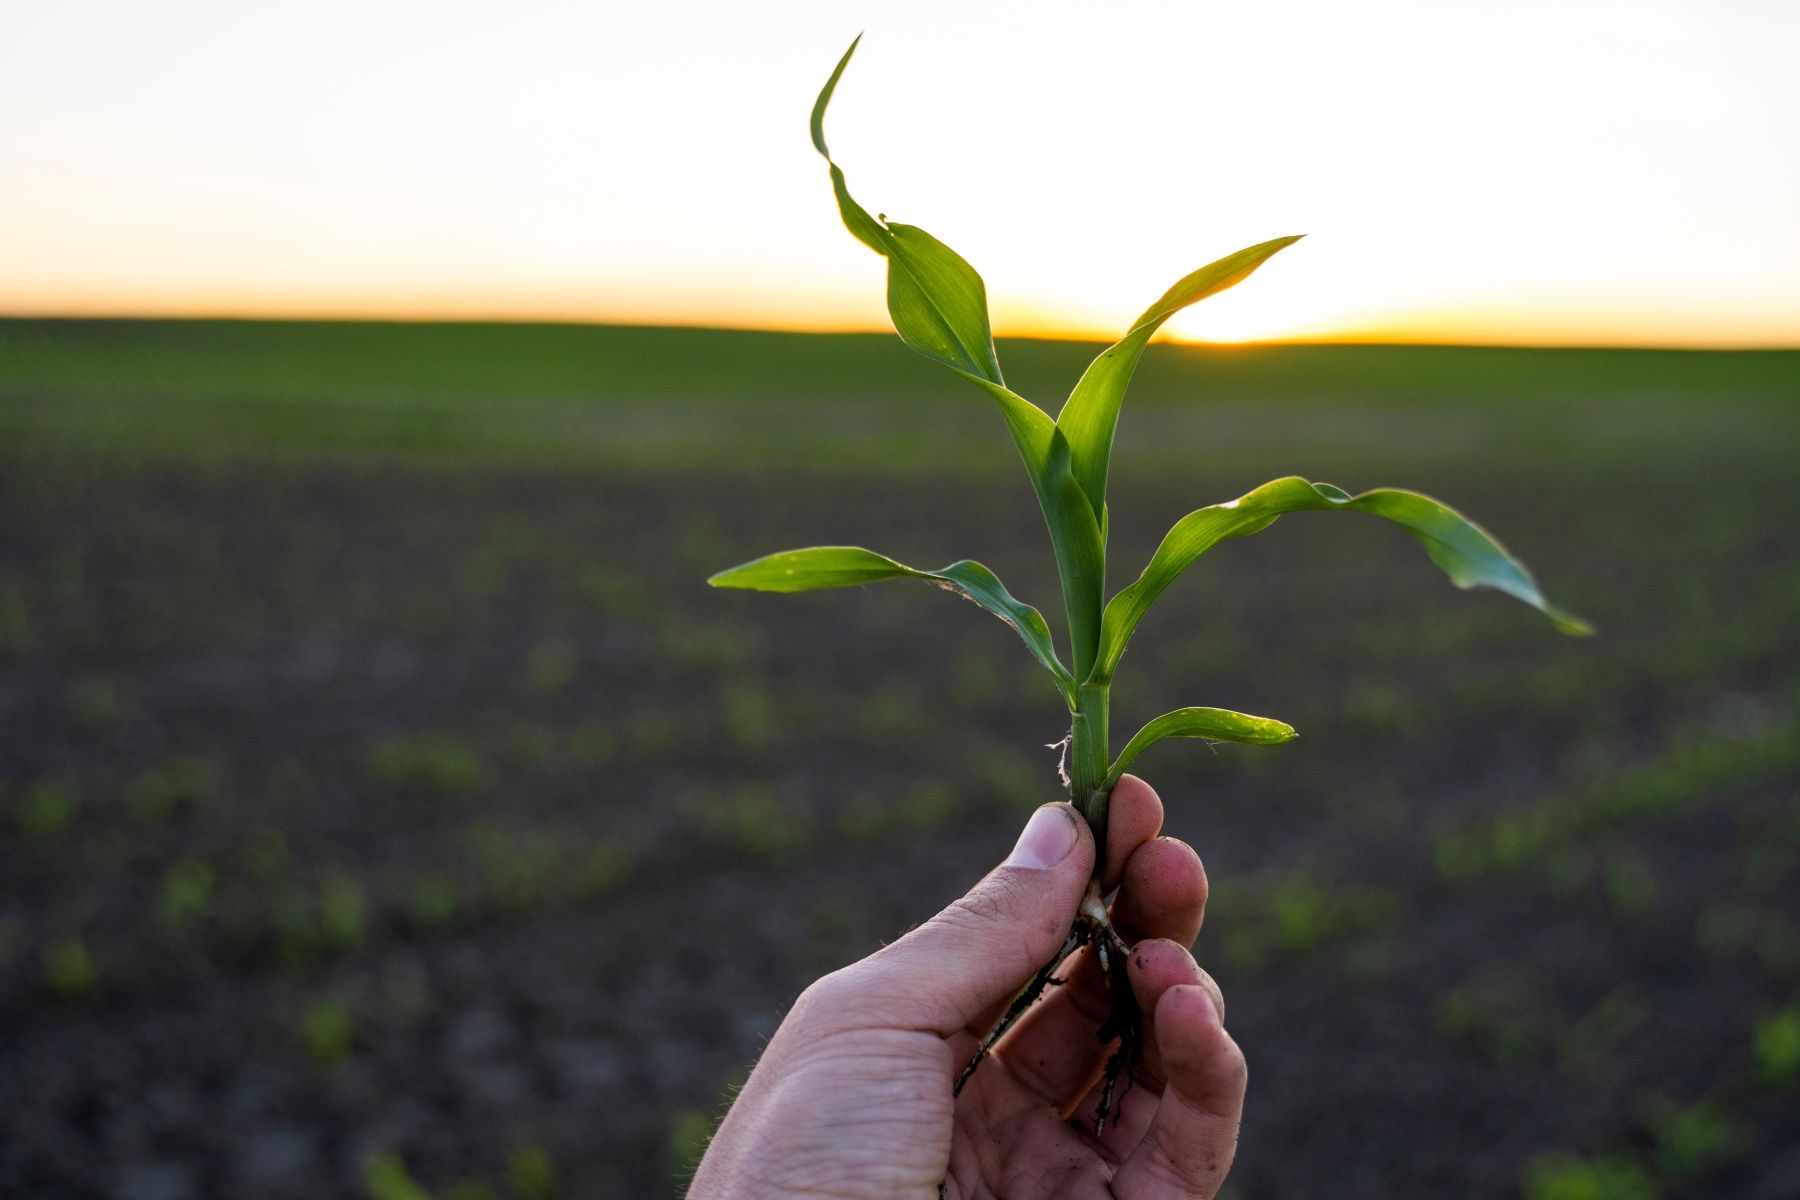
1088	761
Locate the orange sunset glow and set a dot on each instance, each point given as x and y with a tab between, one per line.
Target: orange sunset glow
1634	180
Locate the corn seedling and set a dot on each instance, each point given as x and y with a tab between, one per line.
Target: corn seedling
939	308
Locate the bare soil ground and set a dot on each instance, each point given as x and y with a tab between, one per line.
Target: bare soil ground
365	820
515	841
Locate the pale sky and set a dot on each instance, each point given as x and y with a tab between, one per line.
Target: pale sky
1518	171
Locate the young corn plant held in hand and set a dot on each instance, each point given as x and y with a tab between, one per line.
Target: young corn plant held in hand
939	307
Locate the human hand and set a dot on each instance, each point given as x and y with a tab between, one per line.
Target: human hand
852	1097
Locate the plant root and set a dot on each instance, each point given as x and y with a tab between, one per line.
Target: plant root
1124	1023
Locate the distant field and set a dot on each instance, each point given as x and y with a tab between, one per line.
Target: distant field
383	796
571	394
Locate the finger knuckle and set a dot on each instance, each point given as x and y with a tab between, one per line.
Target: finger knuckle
826	999
993	901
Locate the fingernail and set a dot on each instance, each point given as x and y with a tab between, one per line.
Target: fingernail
1047	840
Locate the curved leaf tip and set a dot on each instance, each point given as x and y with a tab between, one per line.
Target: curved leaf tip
820	567
1567	622
938	302
1463	550
1091	413
824	100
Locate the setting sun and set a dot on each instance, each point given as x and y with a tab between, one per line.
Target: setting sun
1250	314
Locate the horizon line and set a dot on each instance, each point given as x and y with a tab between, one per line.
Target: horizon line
1047	335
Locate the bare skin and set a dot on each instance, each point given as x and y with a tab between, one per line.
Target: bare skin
852	1097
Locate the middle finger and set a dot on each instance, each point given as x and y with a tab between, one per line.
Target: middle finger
1053	1050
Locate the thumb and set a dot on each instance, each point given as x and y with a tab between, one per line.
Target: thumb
982	948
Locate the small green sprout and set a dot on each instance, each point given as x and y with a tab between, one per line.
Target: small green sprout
385	1177
69	969
938	304
327	1032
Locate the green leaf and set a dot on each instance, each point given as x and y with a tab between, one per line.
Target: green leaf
1465	552
1080	552
824	100
820	567
939	303
937	300
1091	413
1075	535
939	306
1214	724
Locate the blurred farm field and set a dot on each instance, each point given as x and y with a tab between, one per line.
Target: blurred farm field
384	801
